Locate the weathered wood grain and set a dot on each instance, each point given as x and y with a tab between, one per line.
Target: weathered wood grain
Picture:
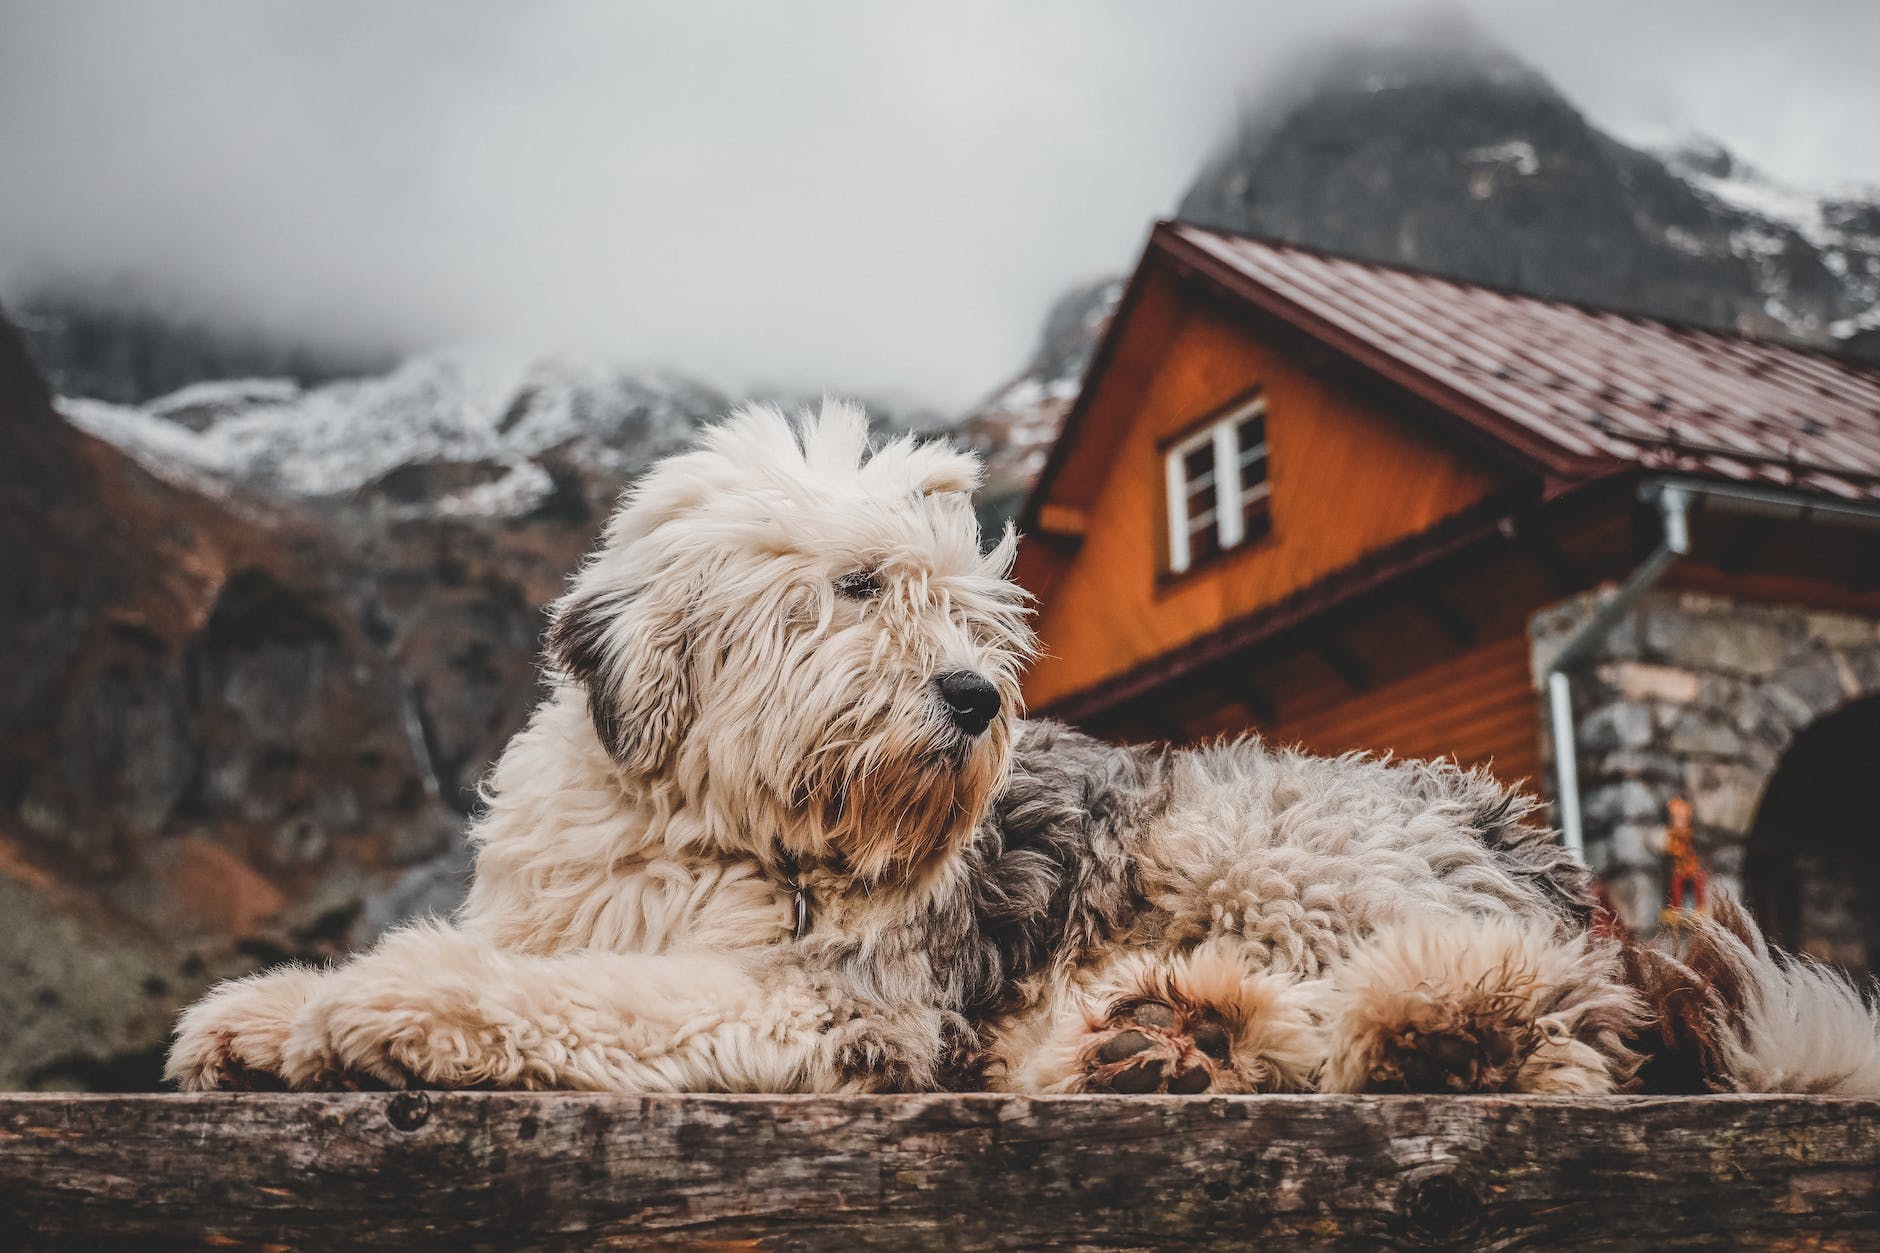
504	1171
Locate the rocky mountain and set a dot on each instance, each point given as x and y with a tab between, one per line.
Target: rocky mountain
110	342
1436	149
1429	146
452	434
209	754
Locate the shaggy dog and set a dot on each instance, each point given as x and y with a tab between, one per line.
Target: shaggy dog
776	827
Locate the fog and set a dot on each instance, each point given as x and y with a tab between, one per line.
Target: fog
874	197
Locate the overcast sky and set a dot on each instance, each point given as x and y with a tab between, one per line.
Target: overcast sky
867	196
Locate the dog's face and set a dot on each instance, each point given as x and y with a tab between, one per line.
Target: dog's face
805	641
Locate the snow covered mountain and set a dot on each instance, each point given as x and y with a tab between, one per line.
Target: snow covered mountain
469	432
465	432
1433	148
1814	258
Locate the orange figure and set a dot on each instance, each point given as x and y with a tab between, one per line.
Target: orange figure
1684	874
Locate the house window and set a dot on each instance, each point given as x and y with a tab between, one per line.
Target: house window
1217	487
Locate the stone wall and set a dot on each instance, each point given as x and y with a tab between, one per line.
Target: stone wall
1699	696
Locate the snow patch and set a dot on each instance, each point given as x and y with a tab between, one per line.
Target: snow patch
1518	153
460	406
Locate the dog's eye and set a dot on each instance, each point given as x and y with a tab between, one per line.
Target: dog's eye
859	585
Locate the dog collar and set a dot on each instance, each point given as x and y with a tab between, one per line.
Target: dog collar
799	894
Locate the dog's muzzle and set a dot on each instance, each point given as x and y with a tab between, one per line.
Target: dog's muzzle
971	700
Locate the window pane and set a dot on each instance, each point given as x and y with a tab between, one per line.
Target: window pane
1204	541
1252	433
1198	463
1201	500
1253	511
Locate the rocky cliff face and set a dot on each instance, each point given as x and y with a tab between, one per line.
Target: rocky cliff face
207	752
1438	150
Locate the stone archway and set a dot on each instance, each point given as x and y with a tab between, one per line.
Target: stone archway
1812	863
1701	696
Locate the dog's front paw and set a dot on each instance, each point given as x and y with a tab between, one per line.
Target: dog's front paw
363	1035
1153	1046
1201	1021
234	1038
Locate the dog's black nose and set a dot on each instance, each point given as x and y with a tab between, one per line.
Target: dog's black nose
970	698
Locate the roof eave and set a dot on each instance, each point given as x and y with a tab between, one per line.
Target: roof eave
1528	449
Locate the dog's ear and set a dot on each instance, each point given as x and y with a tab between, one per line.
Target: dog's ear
629	652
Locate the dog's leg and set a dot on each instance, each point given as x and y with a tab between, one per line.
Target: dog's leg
1202	1021
233	1038
1479	1005
434	1007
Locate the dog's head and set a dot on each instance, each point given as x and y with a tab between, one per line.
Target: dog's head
804	640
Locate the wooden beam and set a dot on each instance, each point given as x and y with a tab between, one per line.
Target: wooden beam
1062	521
1448	619
1233	682
1346	664
1563	571
1253	698
1147	721
475	1170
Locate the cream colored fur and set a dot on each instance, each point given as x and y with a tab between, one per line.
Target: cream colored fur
626	921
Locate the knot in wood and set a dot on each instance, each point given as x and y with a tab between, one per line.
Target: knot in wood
1438	1209
408	1111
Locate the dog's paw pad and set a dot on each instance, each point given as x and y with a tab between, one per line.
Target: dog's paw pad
1455	1057
1143	1075
1124	1045
1211	1037
1191	1082
1152	1046
235	1075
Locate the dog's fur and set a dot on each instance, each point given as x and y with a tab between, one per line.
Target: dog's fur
742	723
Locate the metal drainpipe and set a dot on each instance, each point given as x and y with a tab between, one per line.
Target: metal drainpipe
1674	504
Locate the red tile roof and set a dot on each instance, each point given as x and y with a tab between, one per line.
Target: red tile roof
1581	391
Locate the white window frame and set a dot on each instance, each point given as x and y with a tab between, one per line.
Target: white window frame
1230	504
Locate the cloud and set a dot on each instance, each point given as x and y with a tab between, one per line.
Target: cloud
855	195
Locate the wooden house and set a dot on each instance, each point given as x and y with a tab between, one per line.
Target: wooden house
1359	507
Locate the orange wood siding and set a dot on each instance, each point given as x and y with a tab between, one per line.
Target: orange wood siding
1346	479
1478	706
1429	695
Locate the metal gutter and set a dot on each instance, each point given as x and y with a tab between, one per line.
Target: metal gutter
1674	497
1674	511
